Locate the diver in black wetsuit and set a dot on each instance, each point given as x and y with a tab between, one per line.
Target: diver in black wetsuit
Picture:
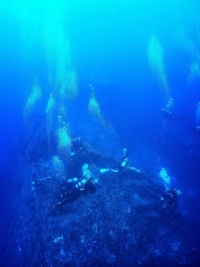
168	115
170	197
196	131
75	189
76	146
124	162
71	192
35	181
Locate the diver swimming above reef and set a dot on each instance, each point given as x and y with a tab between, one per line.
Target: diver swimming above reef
76	146
166	111
170	197
74	188
168	115
196	131
122	164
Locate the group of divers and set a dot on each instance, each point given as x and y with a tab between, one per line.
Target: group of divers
74	187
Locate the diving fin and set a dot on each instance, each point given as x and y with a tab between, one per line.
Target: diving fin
133	169
114	170
104	170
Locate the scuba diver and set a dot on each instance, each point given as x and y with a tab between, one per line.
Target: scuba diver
196	131
170	197
168	115
122	164
35	181
74	189
76	146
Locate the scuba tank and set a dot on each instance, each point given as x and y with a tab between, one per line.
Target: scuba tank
125	162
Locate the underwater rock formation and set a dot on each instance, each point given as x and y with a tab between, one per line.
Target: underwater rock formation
122	224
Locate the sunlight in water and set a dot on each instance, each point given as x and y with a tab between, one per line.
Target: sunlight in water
43	27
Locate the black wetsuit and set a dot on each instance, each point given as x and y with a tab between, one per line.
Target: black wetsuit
71	193
170	196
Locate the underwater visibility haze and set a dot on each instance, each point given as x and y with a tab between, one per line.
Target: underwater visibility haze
100	133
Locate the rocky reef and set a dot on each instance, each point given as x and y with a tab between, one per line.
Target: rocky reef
122	224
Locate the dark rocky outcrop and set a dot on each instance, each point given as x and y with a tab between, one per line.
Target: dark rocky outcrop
122	224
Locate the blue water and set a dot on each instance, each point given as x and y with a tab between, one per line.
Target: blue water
109	42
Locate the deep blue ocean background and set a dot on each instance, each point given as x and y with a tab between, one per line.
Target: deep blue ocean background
109	42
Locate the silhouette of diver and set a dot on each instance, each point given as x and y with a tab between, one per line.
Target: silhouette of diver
73	191
168	115
169	197
196	131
